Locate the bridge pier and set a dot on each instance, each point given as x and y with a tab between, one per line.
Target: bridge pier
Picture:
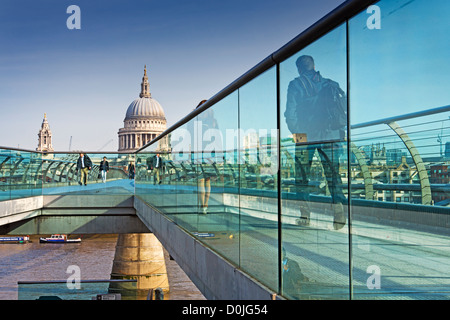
139	256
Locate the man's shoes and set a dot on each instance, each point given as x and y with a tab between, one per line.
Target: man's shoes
303	221
79	182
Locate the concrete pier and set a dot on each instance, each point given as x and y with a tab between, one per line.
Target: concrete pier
139	256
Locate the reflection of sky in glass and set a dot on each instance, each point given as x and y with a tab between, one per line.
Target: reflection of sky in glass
256	102
402	67
226	114
329	54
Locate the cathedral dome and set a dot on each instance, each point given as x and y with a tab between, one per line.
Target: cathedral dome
144	120
145	108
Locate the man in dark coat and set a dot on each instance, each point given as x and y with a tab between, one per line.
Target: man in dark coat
316	115
84	164
104	169
157	165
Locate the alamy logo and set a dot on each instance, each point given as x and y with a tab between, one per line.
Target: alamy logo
374	21
74	21
374	281
73	281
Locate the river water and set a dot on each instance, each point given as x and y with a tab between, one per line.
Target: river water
94	256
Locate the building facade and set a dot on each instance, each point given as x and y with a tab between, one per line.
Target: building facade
144	120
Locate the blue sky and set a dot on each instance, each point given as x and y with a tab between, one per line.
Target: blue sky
85	79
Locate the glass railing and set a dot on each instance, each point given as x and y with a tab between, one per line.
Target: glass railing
78	290
26	173
109	173
19	171
324	189
400	191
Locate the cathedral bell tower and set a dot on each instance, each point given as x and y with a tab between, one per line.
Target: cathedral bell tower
45	137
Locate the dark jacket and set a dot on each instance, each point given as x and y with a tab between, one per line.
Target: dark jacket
131	171
104	165
87	162
308	109
157	164
292	275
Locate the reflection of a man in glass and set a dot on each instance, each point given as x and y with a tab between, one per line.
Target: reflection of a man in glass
316	112
207	121
293	277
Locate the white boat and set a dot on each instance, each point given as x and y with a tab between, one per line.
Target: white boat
59	238
18	239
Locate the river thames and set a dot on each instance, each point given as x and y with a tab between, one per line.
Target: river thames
94	256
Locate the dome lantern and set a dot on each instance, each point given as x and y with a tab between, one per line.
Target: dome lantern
145	86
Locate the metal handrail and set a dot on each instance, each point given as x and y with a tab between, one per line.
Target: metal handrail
407	116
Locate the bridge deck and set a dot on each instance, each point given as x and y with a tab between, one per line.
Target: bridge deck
412	264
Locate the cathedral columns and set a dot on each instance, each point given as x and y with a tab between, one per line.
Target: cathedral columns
133	141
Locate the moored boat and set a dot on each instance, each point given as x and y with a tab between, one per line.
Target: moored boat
59	238
17	239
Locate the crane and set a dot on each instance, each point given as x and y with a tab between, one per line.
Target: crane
105	144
